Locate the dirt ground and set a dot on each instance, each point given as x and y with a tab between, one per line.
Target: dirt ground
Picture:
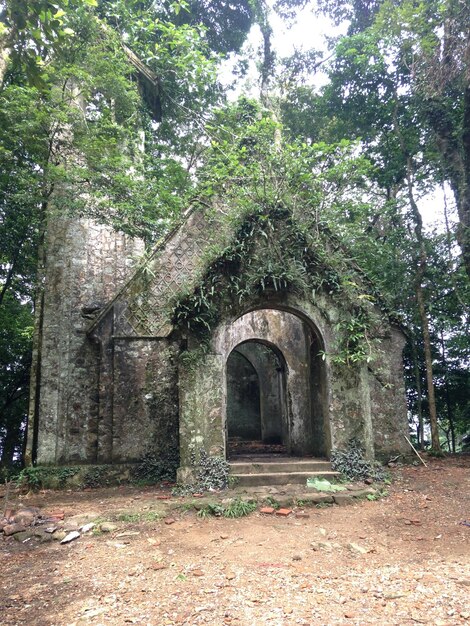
404	559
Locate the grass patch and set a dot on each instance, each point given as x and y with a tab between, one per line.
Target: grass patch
146	516
235	508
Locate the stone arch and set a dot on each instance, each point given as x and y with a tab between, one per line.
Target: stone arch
300	342
203	391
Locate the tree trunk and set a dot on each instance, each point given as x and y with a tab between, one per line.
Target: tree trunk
450	411
419	277
435	444
419	393
421	301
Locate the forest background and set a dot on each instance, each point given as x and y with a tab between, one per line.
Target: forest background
360	151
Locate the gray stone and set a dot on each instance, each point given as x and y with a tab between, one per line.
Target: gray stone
23	535
87	527
343	499
71	537
12	529
58	535
107	527
119	378
354	547
26	517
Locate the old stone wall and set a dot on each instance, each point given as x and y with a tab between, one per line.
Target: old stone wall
387	398
85	264
145	407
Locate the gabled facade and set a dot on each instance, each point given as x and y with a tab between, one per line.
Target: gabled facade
247	332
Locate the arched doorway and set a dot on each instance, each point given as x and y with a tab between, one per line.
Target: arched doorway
286	347
256	400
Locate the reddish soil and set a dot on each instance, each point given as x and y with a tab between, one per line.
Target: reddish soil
409	562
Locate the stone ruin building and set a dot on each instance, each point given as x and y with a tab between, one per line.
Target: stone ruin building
206	346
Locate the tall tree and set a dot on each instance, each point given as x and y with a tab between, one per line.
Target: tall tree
82	92
430	42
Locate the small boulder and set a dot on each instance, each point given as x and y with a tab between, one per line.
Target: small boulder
107	527
12	529
25	517
71	536
58	535
22	536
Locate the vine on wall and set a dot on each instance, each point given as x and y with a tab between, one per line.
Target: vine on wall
272	254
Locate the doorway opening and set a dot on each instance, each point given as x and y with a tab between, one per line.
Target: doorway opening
256	400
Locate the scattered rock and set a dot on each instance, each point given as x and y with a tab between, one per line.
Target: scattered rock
22	536
12	529
169	520
153	542
107	527
342	499
302	515
321	545
58	535
87	527
354	547
197	572
54	516
71	536
24	518
8	515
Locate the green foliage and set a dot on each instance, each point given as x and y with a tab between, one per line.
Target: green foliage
36	478
153	469
378	495
351	463
255	266
72	108
239	508
272	502
211	509
95	477
134	518
234	509
33	31
211	474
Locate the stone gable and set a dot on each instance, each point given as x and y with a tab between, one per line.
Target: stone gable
264	300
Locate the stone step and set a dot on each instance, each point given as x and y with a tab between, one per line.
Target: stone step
275	467
279	478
